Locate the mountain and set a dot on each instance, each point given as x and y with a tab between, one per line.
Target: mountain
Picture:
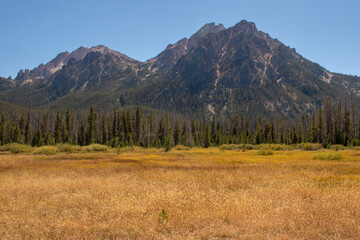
85	69
241	70
238	70
173	52
43	71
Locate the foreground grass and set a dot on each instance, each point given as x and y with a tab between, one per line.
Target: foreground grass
181	194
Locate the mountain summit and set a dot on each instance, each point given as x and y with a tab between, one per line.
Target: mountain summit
217	71
43	71
169	57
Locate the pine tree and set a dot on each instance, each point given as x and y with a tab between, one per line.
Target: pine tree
177	133
319	127
151	134
138	126
115	132
58	126
168	128
15	133
328	121
2	129
184	135
38	138
48	140
346	127
81	135
259	134
68	129
161	132
90	130
338	134
168	143
65	133
105	131
27	132
22	125
207	136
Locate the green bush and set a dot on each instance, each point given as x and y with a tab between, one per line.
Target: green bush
236	147
68	148
337	147
310	146
265	152
181	148
328	156
96	148
46	150
275	147
16	148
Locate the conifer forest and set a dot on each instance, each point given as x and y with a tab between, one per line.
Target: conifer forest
331	124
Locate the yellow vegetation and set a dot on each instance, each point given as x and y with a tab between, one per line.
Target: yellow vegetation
180	194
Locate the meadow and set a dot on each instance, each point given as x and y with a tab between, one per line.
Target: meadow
180	194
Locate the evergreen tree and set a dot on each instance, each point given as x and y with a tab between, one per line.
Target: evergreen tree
90	130
58	126
81	136
161	132
184	135
105	131
319	128
27	132
68	130
207	136
2	129
15	133
177	133
138	126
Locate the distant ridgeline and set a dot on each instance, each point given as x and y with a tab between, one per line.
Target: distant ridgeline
332	124
218	71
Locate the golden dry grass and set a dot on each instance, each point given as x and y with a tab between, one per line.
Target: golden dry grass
190	194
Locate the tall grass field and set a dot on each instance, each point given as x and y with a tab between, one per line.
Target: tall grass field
214	193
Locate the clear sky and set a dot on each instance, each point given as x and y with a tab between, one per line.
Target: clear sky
34	32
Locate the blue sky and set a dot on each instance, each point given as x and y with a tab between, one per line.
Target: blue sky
34	32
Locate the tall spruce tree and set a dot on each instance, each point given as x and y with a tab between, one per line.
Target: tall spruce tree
90	130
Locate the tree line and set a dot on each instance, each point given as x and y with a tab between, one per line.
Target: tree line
331	124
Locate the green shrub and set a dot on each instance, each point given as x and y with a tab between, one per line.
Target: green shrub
337	147
310	146
46	150
68	148
96	148
16	148
163	217
275	147
236	147
181	148
328	156
265	152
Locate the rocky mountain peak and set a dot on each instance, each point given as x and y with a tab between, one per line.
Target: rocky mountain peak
173	52
202	32
43	71
249	28
208	28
